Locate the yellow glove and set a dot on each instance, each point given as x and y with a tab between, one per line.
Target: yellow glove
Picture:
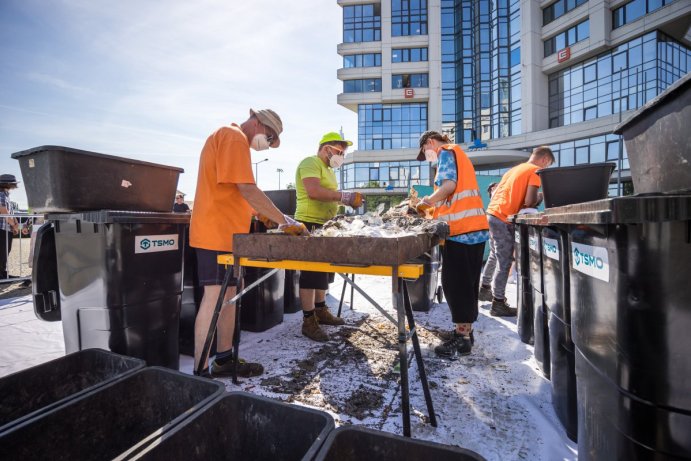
293	227
352	199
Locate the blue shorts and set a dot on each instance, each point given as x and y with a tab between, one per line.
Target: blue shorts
209	271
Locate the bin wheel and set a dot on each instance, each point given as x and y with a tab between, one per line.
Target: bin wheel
440	295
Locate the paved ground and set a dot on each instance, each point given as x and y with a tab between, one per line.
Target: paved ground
494	401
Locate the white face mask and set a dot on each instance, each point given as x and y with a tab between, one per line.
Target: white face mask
260	142
336	161
431	155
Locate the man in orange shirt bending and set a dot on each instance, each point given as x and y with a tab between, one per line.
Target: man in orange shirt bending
517	189
226	194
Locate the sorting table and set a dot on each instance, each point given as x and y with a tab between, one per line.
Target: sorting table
400	298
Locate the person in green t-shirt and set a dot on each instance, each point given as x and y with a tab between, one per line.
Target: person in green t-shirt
317	201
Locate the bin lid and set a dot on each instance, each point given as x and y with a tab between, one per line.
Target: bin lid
618	210
121	217
40	149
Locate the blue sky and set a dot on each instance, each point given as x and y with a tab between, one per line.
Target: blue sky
150	80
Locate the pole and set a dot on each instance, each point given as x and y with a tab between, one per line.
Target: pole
621	137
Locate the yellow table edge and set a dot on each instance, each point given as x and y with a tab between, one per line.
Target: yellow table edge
409	271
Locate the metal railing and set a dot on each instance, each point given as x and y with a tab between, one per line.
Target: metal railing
19	257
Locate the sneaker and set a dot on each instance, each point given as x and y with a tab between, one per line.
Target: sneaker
245	369
311	329
485	293
501	309
204	374
457	345
327	318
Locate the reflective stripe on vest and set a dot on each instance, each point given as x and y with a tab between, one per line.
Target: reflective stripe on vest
464	194
462	214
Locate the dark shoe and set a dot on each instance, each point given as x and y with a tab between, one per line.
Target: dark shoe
204	374
245	369
457	345
327	318
447	335
311	329
501	309
485	293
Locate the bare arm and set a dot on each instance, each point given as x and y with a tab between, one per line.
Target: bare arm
316	191
445	190
11	221
260	202
532	198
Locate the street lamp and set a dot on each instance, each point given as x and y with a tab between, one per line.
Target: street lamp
279	171
256	169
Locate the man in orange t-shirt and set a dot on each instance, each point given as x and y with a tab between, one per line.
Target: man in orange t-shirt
226	194
517	189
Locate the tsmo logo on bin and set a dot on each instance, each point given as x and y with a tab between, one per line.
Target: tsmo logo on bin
155	243
550	247
590	260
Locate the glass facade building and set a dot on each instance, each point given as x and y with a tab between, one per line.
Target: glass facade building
408	17
636	9
623	78
481	55
368	175
390	126
362	23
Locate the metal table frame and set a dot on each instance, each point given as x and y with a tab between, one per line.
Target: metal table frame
401	303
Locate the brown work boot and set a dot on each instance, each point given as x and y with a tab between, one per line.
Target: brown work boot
501	309
327	318
311	329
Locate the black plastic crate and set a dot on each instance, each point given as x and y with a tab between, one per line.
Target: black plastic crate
242	426
575	184
28	393
62	179
262	306
114	420
351	443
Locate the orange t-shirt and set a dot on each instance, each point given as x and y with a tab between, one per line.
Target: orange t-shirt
219	209
509	195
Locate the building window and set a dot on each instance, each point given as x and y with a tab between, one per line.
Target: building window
408	17
409	55
567	38
390	126
621	79
634	10
365	85
374	175
409	81
362	60
362	23
558	9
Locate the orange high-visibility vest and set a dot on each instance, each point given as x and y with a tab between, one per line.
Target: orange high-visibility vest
463	210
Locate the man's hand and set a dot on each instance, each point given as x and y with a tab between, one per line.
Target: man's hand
424	207
352	199
293	227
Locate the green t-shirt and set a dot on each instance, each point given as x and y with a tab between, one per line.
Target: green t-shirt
313	210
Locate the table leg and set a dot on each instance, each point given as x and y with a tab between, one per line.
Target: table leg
340	303
352	293
398	305
236	333
418	356
214	321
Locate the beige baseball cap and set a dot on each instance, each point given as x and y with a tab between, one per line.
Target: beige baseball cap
269	118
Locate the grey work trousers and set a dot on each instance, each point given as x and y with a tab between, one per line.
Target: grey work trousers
496	271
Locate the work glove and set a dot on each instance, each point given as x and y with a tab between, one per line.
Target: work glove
293	227
352	199
423	207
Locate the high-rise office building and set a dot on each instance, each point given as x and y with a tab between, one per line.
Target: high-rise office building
501	77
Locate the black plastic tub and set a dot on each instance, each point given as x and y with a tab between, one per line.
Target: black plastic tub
423	290
657	138
115	420
562	373
567	185
62	179
351	443
262	307
284	199
33	391
541	333
242	426
291	293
